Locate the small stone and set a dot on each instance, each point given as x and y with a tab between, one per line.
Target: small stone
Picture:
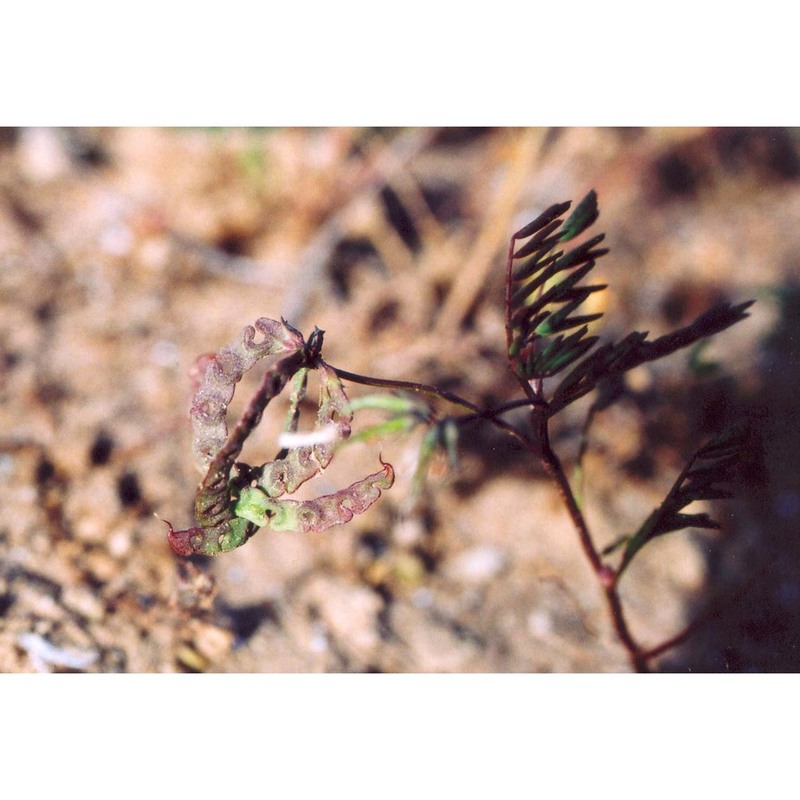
479	564
210	641
119	542
190	659
43	654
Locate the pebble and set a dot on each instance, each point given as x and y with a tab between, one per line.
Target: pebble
189	657
119	542
210	641
479	564
43	654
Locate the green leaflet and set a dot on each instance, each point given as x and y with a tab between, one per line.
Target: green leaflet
711	465
585	213
545	289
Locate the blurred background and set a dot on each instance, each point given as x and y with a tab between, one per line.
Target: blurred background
126	253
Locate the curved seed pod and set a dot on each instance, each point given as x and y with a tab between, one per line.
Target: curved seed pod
334	408
313	515
213	540
213	501
234	500
286	475
223	371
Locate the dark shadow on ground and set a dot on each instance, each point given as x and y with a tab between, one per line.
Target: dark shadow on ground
755	559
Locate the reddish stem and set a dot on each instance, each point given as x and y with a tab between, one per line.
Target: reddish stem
424	388
605	575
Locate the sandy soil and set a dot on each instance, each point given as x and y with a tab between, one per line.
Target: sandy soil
124	254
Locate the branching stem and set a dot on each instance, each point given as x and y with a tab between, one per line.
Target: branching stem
543	339
423	388
540	447
411	386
